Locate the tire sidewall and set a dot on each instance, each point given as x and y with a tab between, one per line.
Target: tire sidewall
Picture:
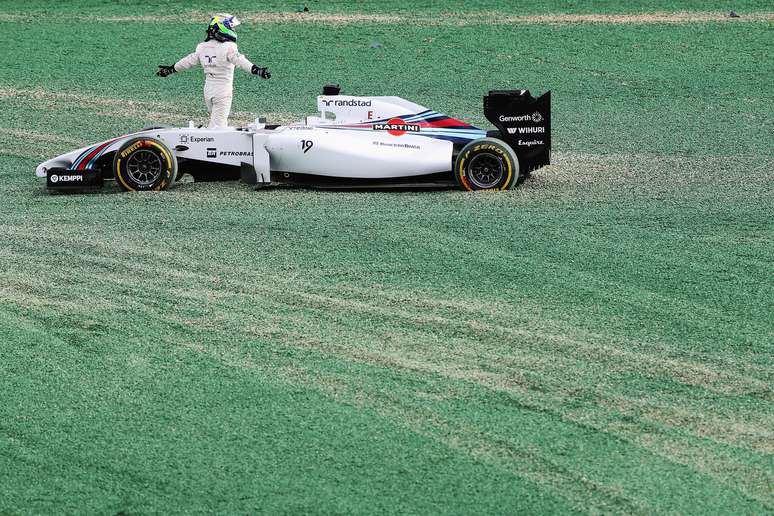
169	164
486	146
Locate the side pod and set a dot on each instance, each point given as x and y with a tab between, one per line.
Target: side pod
524	123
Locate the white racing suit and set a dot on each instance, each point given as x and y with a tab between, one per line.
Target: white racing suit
218	60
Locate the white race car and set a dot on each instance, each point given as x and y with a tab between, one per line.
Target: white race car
361	142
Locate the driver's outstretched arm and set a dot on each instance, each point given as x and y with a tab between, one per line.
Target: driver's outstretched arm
187	62
244	64
239	60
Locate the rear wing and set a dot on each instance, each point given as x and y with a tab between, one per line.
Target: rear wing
524	123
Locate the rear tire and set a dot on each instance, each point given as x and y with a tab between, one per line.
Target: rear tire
486	164
523	174
144	164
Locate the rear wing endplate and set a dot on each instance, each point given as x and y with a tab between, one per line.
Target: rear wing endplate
524	123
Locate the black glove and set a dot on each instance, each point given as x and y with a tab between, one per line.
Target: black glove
165	70
263	73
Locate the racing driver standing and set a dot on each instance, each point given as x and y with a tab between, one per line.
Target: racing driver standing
218	55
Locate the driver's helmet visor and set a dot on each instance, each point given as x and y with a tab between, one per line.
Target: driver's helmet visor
226	21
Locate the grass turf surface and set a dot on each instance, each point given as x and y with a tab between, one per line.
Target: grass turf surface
599	339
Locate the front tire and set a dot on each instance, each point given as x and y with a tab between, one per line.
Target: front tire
144	164
486	164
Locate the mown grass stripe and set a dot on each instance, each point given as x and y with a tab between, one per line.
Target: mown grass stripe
457	19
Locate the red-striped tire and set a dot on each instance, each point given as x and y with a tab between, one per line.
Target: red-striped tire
144	164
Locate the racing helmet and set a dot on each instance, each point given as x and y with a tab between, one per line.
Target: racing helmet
222	27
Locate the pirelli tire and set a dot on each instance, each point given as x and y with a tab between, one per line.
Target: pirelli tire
144	164
486	164
523	174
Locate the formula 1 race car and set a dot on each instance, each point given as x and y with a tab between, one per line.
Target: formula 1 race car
360	142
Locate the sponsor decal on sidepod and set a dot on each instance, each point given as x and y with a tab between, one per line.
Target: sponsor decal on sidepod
396	127
236	153
184	138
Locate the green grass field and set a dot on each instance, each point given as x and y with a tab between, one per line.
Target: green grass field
599	340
